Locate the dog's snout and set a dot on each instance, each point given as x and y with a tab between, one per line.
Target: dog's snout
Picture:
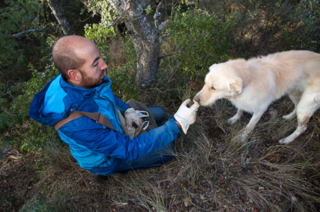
196	98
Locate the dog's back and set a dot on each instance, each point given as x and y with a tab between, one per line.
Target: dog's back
291	70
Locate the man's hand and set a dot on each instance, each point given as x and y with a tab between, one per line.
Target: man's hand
186	116
132	120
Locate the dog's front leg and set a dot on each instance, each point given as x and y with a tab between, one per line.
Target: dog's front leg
250	126
236	117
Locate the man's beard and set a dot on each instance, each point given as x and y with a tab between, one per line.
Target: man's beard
89	82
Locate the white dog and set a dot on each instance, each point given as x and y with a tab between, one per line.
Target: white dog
254	84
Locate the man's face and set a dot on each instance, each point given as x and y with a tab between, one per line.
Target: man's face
92	70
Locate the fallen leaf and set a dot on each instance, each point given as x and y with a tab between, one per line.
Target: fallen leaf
186	201
127	6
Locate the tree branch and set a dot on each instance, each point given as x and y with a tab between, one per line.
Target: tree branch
59	15
168	55
156	15
163	25
27	31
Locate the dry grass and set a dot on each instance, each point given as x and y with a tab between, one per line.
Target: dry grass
209	172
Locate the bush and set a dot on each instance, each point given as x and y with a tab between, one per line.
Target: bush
203	39
123	74
101	36
19	130
268	26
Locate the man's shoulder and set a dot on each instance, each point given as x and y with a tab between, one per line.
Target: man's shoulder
54	97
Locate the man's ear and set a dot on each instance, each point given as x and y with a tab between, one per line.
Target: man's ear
74	74
236	85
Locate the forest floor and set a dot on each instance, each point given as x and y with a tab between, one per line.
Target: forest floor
209	172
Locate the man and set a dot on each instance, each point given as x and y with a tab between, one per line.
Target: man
82	86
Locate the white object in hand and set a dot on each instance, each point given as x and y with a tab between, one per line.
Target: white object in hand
186	116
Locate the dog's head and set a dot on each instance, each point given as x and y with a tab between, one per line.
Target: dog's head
222	81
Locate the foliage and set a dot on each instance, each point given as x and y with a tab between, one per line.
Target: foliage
123	78
103	8
307	14
101	36
19	130
25	27
202	39
268	26
18	17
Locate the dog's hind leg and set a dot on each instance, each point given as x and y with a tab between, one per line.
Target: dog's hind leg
236	117
295	97
308	104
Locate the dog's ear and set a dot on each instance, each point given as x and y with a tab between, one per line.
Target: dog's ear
236	85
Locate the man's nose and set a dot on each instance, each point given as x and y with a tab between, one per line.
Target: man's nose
103	65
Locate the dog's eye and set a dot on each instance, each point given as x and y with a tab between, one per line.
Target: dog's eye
212	88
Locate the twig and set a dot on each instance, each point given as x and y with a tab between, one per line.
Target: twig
84	19
156	15
27	31
163	25
7	90
115	22
168	55
4	13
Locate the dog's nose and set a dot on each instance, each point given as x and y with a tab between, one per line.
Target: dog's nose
196	98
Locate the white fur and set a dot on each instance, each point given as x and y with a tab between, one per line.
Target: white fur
254	84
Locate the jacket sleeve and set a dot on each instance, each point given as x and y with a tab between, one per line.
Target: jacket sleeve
122	106
97	138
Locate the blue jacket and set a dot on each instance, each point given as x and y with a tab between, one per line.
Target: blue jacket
95	147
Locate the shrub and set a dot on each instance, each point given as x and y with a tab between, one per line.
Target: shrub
268	26
203	38
19	130
101	36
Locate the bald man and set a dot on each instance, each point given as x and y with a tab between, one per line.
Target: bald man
82	86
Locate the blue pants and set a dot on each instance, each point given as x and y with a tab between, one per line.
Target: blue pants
153	159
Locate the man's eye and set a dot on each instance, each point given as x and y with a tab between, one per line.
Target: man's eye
212	88
96	64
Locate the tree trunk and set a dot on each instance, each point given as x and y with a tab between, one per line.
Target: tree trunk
145	37
62	20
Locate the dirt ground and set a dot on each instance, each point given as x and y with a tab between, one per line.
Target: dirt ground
67	187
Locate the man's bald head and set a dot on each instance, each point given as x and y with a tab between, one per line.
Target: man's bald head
65	53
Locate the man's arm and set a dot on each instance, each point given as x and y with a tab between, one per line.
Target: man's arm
97	138
122	106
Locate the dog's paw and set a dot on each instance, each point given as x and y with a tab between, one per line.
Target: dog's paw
232	120
242	137
285	141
